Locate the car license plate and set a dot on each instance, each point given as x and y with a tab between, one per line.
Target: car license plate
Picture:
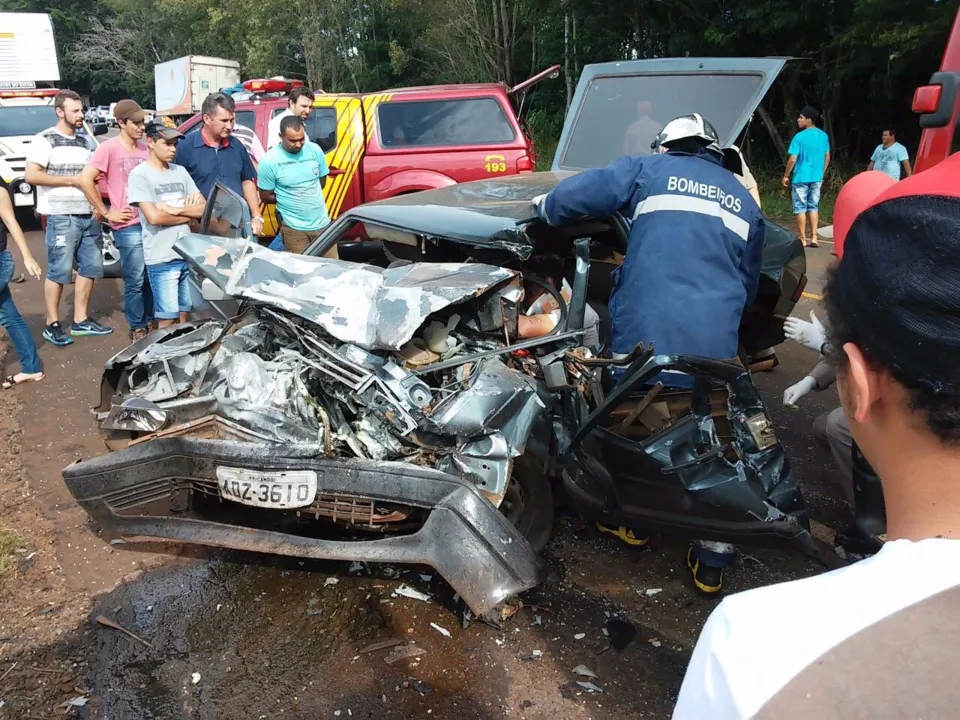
276	489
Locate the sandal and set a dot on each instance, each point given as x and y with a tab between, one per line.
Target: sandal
11	380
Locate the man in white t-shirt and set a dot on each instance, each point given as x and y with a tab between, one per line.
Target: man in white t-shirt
299	104
893	324
55	159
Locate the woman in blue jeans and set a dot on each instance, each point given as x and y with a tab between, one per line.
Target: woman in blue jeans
10	318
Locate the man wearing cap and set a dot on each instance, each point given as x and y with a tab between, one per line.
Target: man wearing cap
112	162
210	156
168	200
893	334
809	159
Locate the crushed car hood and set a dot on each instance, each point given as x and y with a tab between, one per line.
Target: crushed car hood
371	307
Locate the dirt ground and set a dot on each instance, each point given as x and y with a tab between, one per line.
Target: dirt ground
228	634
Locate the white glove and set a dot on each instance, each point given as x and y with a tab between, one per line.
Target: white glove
795	393
808	334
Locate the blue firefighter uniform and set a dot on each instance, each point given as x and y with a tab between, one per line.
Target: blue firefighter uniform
693	259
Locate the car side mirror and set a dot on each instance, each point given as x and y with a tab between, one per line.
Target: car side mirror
99	129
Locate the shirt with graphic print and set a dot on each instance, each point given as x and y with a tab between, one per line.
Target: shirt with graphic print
170	186
115	164
889	160
63	156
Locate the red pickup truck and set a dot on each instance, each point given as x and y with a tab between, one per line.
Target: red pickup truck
380	145
938	104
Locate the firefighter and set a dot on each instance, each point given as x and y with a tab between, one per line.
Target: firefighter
692	263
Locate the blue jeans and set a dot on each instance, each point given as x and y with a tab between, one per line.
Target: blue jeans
137	298
171	289
806	197
13	322
69	239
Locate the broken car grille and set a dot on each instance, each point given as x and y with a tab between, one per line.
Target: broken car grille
346	509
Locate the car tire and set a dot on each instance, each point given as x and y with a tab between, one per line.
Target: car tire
528	501
111	256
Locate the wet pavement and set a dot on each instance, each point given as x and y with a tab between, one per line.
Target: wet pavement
244	635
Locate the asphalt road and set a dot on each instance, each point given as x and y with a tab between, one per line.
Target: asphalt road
245	635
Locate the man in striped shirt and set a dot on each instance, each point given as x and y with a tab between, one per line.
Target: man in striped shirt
55	160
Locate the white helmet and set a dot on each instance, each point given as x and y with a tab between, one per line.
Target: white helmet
687	126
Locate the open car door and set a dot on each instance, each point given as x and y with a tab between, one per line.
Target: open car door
701	462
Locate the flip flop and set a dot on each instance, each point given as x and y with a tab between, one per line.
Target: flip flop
11	380
20	278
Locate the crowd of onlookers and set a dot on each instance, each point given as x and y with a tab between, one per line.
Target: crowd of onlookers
150	184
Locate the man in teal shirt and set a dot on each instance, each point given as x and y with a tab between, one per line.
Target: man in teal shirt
809	158
890	157
292	175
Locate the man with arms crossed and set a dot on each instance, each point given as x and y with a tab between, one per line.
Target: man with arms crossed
113	161
54	162
893	333
167	199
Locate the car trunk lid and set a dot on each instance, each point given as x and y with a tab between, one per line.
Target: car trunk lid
633	100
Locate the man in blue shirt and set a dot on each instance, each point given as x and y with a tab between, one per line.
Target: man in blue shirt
809	159
890	156
292	175
210	156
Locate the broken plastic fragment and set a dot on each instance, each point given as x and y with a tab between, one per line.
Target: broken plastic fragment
653	591
441	630
407	591
331	581
579	636
589	687
584	671
78	701
195	678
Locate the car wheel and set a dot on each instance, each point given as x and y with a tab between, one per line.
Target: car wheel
111	256
528	501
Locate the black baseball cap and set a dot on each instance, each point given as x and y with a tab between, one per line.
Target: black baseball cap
158	129
898	284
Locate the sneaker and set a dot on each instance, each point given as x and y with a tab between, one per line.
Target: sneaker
139	333
55	335
90	327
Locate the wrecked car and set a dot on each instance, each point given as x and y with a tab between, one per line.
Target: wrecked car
386	410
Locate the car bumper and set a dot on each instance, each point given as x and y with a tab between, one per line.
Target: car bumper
477	551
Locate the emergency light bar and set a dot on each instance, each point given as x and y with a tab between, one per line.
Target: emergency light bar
49	92
271	85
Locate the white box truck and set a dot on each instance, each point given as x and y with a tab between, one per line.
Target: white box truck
181	85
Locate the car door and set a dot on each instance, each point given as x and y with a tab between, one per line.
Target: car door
701	461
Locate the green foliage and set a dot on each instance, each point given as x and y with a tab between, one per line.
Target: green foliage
861	59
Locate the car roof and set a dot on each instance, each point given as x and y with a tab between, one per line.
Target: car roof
422	92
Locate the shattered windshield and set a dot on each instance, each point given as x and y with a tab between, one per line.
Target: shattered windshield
622	115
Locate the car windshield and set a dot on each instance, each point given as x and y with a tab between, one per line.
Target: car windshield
622	115
26	119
